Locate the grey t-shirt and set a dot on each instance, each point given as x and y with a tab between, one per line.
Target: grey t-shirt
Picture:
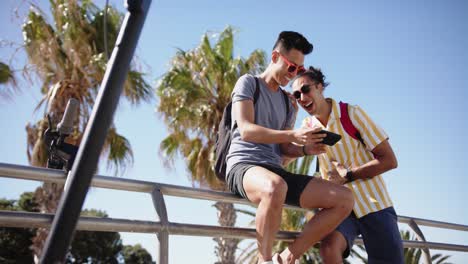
270	112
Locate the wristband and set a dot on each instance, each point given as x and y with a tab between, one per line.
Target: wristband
303	150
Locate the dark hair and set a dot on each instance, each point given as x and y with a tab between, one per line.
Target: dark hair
314	74
288	40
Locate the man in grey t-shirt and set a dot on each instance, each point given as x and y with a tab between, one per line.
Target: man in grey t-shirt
263	137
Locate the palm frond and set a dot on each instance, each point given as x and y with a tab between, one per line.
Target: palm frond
6	74
225	44
440	259
119	151
170	145
8	83
136	89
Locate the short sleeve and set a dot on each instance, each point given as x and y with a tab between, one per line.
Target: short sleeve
244	89
371	133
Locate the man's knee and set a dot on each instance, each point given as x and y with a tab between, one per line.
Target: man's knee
275	191
347	201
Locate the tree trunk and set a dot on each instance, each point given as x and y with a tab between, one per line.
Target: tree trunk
226	248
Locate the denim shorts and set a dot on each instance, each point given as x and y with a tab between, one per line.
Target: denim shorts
296	182
380	234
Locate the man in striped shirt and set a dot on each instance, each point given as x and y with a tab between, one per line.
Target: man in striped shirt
359	165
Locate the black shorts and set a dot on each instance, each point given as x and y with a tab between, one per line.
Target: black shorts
296	182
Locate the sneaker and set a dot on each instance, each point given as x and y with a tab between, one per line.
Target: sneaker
276	259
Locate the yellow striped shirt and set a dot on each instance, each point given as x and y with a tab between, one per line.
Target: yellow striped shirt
370	195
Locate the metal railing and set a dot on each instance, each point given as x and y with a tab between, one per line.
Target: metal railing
163	228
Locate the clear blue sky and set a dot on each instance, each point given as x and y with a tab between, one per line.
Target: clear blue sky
405	63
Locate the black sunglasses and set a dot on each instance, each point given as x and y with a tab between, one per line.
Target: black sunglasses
304	90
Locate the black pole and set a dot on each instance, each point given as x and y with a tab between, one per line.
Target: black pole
85	165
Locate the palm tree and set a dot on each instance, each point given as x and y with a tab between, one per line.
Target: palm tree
69	58
411	255
193	94
291	220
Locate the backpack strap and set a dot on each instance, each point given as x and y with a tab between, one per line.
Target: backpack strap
257	90
286	101
348	125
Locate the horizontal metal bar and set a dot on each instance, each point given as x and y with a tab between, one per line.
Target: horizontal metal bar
432	223
36	220
434	245
58	176
51	175
31	173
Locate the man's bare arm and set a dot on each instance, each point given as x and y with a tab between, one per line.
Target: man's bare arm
244	115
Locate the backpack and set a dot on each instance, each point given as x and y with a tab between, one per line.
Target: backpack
348	126
225	131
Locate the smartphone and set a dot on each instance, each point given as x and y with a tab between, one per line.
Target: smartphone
331	137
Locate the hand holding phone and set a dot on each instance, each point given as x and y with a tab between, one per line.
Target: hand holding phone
331	138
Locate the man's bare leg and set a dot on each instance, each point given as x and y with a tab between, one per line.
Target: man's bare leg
332	248
268	190
337	202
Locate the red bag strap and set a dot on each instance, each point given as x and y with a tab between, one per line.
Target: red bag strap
347	124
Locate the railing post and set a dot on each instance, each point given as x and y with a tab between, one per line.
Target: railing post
163	235
420	236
